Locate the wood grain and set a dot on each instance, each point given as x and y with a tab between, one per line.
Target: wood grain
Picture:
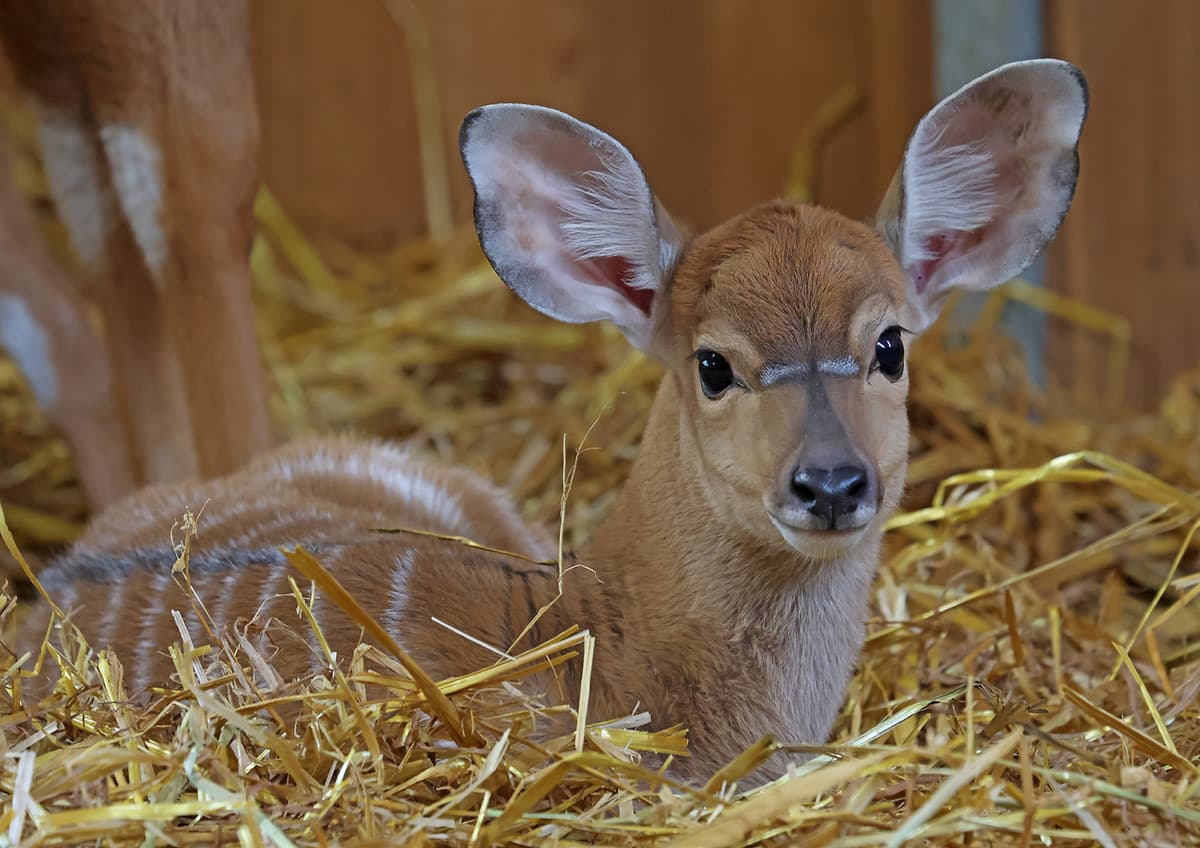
1131	243
709	94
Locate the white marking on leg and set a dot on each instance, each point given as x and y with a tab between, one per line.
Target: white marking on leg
74	172
136	166
398	591
26	343
151	618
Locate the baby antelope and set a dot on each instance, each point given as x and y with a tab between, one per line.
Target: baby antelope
734	568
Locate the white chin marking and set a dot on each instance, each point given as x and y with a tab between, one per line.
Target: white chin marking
819	544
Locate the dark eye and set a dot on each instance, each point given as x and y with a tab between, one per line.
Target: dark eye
889	354
715	374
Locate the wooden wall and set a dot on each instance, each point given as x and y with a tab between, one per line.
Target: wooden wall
1132	241
711	95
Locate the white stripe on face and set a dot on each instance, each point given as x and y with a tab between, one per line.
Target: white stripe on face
845	366
842	366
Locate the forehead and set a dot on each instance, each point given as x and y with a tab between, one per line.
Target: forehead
790	280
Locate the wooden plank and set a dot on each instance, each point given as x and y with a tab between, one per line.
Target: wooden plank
709	94
900	85
1131	243
339	144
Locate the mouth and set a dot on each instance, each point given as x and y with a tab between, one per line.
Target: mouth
820	544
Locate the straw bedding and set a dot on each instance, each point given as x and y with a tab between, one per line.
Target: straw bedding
1031	675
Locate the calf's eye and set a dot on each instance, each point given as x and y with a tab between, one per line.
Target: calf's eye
716	375
889	354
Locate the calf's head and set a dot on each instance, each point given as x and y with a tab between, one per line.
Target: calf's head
784	329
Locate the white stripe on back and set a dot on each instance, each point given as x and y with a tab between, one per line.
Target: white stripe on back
65	595
220	605
398	591
112	612
152	617
396	473
269	590
316	661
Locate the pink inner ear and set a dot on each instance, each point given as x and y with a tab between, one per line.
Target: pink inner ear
617	271
939	248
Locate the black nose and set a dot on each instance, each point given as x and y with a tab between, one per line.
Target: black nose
830	495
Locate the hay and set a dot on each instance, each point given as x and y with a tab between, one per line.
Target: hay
1031	673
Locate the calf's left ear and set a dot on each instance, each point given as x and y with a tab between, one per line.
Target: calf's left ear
986	179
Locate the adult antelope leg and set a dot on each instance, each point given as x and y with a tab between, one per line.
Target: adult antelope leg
45	326
171	89
140	357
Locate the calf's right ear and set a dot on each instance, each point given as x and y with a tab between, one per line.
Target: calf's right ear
567	218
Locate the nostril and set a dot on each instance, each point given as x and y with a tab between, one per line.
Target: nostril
804	492
849	482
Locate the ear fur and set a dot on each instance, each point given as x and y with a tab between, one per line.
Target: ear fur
986	179
566	217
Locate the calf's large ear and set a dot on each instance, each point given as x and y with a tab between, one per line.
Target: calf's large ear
567	218
986	179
